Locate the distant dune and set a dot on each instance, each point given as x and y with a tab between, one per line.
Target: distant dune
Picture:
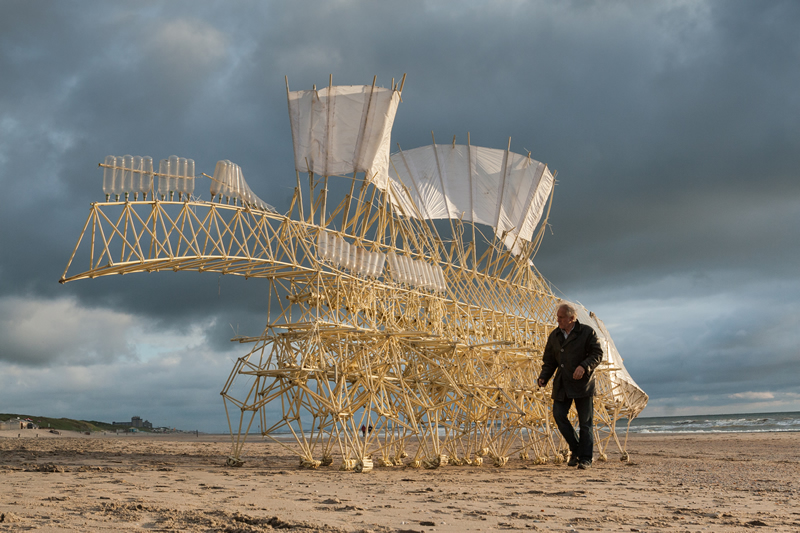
61	424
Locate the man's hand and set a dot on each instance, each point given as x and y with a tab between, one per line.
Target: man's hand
541	382
579	372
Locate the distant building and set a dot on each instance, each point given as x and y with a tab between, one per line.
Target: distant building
18	423
136	422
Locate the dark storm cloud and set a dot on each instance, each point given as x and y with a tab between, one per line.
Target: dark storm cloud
672	125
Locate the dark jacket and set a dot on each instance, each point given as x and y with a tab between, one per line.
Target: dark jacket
562	356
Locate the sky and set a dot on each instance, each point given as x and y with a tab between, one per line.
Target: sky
673	126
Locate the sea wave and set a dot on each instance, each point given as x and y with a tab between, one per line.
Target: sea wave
733	423
775	430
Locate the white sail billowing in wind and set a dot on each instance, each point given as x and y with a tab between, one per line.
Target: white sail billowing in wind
498	188
624	390
344	129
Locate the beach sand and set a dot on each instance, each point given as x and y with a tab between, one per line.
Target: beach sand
179	482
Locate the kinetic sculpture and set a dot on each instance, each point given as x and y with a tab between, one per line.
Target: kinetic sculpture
408	316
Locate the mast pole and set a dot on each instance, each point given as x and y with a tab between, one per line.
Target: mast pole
349	199
472	206
324	192
311	187
299	193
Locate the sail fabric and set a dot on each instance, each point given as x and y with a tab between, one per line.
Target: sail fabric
343	129
498	188
624	388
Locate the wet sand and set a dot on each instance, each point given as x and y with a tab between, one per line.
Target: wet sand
179	482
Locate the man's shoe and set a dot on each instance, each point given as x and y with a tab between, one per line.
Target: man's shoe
585	465
573	461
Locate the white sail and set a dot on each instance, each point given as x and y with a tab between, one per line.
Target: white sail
344	129
624	389
498	188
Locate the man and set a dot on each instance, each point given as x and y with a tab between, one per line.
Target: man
572	352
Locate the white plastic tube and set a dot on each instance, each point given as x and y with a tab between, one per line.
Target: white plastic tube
372	264
247	195
408	270
126	185
174	173
322	245
352	258
163	178
426	278
340	251
178	171
188	187
416	279
394	266
219	176
380	263
441	281
108	176
331	243
226	181
331	253
409	275
419	280
426	275
362	261
402	270
146	178
179	182
136	175
236	184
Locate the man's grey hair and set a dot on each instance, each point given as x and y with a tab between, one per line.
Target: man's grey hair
569	309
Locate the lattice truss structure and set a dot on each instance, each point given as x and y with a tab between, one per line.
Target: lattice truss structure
424	329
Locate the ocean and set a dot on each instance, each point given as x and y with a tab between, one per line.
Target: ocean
736	423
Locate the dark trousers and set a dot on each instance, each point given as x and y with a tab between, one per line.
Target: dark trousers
581	447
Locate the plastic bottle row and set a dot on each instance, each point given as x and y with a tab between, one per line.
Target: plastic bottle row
228	182
123	175
177	177
357	260
127	174
417	273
